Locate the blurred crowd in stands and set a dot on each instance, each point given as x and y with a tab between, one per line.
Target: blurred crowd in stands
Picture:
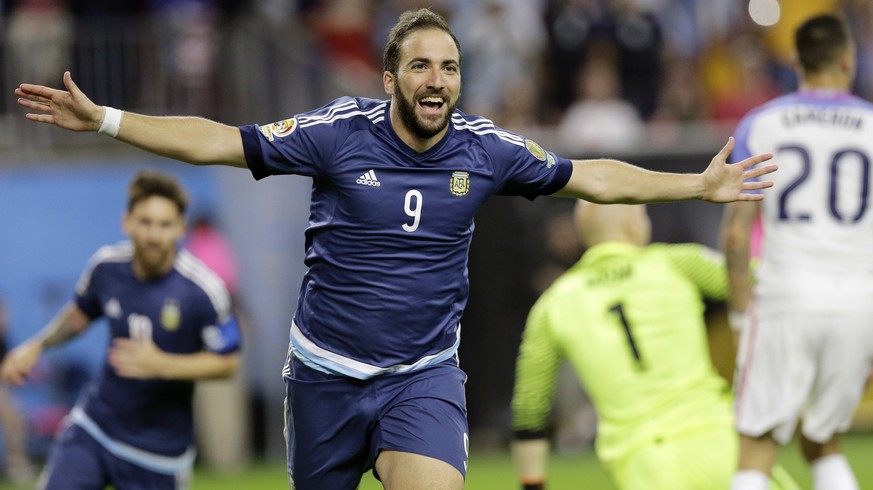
596	71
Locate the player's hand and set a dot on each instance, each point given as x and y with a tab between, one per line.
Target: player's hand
726	182
19	362
139	359
68	109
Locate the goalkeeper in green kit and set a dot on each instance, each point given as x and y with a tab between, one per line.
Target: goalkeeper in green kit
629	319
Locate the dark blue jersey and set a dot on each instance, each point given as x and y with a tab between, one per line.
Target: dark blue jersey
185	311
390	228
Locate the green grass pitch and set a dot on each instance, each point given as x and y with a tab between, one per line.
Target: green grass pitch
490	470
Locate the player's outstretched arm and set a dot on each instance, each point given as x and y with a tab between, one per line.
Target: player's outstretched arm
607	181
67	324
190	139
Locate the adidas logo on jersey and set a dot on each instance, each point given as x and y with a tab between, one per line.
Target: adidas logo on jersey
369	178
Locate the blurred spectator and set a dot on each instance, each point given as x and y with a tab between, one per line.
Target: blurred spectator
690	26
599	120
187	46
39	37
681	105
622	29
739	78
571	27
107	46
518	108
503	42
345	30
639	40
681	97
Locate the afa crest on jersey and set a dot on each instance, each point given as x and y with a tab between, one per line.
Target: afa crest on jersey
460	183
279	129
171	314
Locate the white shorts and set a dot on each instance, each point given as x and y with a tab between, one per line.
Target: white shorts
802	366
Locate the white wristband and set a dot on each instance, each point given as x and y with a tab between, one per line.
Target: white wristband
738	320
111	121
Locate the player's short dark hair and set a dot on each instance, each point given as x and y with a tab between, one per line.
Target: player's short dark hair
148	183
411	21
820	41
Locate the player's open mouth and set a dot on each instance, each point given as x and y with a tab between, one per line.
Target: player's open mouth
431	103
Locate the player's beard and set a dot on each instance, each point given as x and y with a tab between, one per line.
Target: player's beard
422	129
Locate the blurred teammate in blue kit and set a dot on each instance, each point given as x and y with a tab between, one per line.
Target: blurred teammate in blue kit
372	376
170	324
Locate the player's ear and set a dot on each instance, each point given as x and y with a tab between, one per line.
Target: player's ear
847	61
388	82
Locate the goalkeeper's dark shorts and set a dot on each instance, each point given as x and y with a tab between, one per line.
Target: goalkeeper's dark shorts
336	426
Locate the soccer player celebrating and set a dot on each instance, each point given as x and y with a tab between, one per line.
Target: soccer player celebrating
806	342
372	376
169	323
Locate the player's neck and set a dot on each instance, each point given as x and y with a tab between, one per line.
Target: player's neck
145	272
826	81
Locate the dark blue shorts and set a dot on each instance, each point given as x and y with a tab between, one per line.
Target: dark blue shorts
78	462
336	426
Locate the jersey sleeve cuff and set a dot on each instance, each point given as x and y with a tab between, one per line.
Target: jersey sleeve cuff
87	308
252	149
563	170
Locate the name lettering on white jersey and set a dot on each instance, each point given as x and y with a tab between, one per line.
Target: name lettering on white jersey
822	116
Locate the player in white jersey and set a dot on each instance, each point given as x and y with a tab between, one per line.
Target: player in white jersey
807	323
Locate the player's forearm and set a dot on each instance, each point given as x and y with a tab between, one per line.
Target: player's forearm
736	242
201	365
194	140
607	181
739	279
69	323
530	457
